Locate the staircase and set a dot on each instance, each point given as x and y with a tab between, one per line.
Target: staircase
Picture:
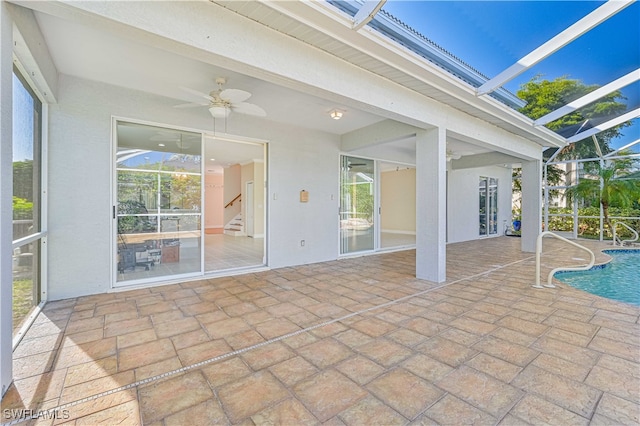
235	227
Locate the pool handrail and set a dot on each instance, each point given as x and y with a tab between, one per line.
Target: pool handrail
615	225
565	268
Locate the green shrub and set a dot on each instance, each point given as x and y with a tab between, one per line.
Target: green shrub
590	227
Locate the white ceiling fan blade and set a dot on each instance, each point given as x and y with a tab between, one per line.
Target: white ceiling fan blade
190	105
249	109
234	95
197	93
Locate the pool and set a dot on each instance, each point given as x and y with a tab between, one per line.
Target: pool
617	280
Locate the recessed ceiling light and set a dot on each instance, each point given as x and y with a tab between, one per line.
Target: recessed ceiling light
212	159
160	144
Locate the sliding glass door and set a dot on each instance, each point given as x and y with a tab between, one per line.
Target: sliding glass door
159	197
488	206
357	205
235	204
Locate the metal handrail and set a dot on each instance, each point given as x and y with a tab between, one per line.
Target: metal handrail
615	225
567	268
230	203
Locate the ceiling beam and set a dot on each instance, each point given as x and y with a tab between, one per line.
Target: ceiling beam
367	12
376	134
626	80
585	24
483	160
604	126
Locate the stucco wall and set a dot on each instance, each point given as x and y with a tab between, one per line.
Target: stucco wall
81	249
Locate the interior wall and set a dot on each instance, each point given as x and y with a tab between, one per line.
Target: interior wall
246	175
398	201
232	187
213	201
463	202
258	199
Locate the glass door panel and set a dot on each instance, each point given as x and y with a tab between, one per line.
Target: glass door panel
493	206
488	206
235	212
159	195
357	204
482	206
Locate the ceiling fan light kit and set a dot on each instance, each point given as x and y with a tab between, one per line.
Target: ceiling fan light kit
222	102
219	111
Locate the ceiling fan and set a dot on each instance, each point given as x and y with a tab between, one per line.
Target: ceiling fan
222	102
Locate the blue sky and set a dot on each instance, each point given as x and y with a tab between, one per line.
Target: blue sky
492	35
22	122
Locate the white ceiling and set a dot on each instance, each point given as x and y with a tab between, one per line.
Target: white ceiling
85	52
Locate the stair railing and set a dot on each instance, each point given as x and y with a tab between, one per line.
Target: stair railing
615	225
230	203
550	284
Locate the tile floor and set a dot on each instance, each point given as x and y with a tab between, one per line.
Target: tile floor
356	341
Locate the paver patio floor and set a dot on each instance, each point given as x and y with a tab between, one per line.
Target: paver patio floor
356	341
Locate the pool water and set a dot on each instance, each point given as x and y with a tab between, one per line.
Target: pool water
618	279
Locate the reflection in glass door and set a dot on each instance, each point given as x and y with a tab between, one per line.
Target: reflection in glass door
158	195
357	205
488	206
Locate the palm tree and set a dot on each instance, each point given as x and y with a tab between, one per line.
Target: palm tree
611	186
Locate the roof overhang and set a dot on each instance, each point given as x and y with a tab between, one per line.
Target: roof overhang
325	27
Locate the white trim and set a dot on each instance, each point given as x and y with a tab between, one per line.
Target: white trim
227	137
44	202
17	338
395	231
188	278
248	201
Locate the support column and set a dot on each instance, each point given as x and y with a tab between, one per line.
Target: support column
6	191
531	204
431	213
